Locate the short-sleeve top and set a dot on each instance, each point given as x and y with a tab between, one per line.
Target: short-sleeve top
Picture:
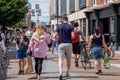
64	32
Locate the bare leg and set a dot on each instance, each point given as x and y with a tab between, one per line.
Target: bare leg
96	65
19	63
60	62
99	64
22	64
78	56
68	64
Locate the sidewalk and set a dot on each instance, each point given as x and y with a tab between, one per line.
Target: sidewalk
50	69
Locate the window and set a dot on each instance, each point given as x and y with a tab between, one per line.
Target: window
72	6
63	7
82	4
83	25
109	0
94	2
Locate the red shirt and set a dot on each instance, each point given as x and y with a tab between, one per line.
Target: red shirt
76	38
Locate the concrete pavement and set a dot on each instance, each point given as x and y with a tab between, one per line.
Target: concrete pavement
50	70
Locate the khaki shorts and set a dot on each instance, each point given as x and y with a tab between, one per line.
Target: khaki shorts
65	49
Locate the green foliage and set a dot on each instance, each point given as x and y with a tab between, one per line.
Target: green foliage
12	12
32	24
19	24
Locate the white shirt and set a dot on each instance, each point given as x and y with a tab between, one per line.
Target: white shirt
8	35
29	33
2	43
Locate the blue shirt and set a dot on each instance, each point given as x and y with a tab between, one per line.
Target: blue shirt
64	32
22	45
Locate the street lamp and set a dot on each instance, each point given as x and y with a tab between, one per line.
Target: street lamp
57	11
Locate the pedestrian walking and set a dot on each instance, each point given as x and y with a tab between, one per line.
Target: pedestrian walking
38	46
65	33
2	40
54	44
96	43
21	46
76	42
49	45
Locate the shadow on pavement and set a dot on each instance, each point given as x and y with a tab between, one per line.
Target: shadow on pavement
32	78
109	74
49	72
71	77
83	77
13	77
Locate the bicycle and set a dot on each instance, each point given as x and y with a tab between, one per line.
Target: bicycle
85	58
4	60
111	51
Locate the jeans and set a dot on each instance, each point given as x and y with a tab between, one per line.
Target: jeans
54	45
96	52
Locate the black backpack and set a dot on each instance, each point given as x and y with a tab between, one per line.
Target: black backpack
0	37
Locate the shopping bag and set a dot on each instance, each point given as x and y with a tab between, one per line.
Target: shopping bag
28	67
106	61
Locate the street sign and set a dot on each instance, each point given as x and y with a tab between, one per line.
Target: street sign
37	6
38	11
33	12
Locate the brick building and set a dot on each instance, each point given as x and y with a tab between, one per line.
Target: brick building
106	14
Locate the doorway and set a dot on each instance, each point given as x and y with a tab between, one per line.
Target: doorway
105	28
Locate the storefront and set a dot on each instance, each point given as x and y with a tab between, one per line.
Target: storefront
108	18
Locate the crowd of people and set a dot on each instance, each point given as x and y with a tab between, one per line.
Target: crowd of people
6	37
62	42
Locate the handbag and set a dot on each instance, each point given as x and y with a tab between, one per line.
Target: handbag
28	67
106	61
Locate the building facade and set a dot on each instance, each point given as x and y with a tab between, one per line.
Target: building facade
53	20
76	14
106	14
74	9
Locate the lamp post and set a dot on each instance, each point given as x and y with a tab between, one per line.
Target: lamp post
57	11
28	16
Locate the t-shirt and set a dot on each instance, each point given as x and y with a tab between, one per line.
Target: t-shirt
2	44
64	32
21	44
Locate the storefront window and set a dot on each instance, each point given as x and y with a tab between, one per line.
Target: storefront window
83	26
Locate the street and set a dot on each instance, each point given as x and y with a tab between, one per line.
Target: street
51	71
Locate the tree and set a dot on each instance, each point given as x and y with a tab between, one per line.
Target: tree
32	24
19	24
12	12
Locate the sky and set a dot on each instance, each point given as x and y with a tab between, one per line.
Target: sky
44	6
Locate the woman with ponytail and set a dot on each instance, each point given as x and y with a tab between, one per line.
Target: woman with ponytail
96	44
